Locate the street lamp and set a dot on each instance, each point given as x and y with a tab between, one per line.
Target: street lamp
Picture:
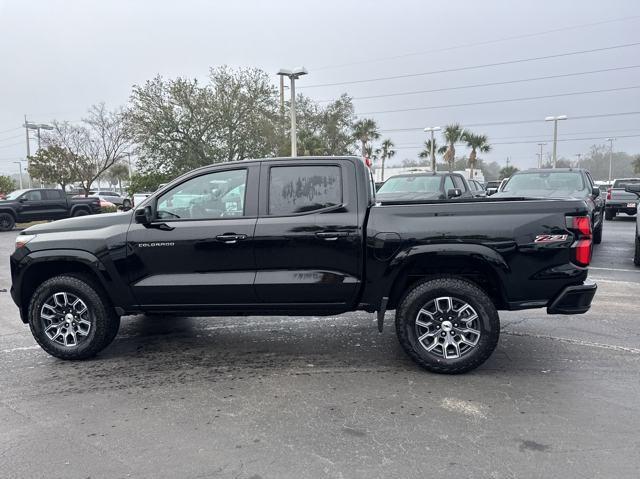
432	129
20	170
610	140
541	145
293	76
555	119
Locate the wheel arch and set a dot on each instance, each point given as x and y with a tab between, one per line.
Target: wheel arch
47	264
477	264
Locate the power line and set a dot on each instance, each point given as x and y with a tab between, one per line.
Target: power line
506	82
474	67
517	122
486	42
531	141
504	100
11	129
10	138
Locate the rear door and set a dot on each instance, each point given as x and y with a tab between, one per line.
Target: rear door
55	204
198	253
308	241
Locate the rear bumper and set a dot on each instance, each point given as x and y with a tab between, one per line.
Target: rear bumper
573	299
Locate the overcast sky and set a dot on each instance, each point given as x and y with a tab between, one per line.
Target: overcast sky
59	57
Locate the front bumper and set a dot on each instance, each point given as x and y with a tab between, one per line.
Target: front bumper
573	299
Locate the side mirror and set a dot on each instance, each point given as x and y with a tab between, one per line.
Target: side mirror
454	193
595	191
22	199
633	188
144	216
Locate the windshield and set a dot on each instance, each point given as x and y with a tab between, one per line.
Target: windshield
548	183
411	184
14	195
625	182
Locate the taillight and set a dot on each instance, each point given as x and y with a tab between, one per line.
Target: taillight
367	161
609	194
582	247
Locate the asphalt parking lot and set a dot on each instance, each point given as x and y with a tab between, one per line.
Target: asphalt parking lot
280	397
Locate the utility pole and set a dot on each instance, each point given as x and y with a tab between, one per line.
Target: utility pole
555	119
26	130
610	140
20	170
541	145
293	76
432	129
578	155
508	161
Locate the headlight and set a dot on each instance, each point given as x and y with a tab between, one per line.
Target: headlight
22	240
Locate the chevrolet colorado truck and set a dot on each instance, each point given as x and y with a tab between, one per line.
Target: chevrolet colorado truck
619	200
305	236
23	206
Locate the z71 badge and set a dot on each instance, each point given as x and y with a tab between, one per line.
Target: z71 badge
550	238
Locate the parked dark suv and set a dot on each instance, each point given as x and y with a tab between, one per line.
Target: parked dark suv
573	183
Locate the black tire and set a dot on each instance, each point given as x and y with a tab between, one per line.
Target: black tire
609	215
80	212
597	235
103	319
636	255
488	324
7	222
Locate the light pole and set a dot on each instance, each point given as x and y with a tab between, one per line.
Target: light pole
432	129
293	76
541	145
578	155
555	119
610	140
20	170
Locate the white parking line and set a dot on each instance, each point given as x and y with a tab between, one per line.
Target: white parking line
13	350
615	269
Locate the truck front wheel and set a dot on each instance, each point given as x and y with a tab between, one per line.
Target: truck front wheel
447	325
70	317
6	222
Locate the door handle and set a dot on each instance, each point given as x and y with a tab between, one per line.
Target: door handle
331	235
230	238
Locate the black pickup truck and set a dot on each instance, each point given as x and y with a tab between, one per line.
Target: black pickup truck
305	236
37	204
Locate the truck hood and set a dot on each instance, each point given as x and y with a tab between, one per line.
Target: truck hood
80	223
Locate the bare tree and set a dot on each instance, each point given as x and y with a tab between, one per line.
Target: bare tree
96	145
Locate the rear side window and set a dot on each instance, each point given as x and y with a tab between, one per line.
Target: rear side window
448	184
53	195
301	189
459	183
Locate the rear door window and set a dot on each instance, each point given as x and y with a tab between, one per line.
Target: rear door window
303	189
53	195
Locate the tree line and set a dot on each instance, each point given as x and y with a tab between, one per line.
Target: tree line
171	126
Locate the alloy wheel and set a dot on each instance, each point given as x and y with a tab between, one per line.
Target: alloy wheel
65	318
448	327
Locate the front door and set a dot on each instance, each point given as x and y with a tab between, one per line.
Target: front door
198	252
308	239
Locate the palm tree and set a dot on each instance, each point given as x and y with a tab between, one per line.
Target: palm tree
371	152
426	153
386	152
452	135
477	143
364	131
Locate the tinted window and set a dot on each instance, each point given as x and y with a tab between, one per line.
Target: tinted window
625	182
53	195
34	195
212	196
411	184
298	189
459	182
551	184
448	184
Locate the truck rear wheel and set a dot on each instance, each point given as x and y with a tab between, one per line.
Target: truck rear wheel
609	214
70	317
80	212
447	325
636	254
6	222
